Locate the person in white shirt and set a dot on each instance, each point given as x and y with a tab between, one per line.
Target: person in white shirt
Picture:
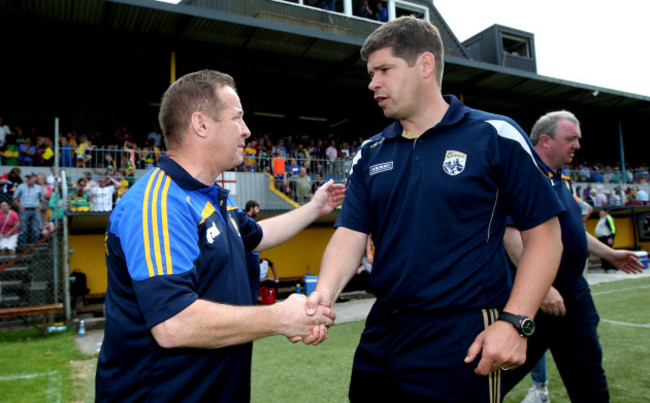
101	197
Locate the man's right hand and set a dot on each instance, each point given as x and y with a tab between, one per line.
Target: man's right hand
299	325
317	302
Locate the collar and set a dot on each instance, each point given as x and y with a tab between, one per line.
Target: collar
181	177
456	112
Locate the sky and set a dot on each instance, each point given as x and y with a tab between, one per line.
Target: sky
597	42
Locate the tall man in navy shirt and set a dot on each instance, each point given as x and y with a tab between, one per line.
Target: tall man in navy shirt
434	189
179	324
567	321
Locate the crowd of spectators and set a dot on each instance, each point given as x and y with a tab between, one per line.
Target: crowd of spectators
601	173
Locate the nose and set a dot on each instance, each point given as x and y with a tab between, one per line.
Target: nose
374	84
245	131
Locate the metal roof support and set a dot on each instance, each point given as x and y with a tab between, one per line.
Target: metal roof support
620	142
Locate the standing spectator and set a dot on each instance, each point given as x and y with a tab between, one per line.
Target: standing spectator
101	197
250	155
4	132
365	11
382	13
332	152
27	153
301	188
606	232
279	167
264	160
29	200
156	136
615	198
46	152
56	207
82	152
642	196
280	147
14	176
67	160
9	221
601	197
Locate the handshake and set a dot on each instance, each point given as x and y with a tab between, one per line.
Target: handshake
305	319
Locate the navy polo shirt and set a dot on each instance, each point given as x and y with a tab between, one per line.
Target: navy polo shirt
171	240
437	205
569	279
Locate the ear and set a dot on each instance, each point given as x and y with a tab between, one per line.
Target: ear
545	139
427	64
199	124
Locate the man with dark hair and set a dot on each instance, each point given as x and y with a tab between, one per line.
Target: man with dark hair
434	189
567	321
179	321
252	209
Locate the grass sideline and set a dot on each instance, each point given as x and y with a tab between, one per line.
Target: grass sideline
36	369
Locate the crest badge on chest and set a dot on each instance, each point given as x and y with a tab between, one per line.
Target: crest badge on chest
454	162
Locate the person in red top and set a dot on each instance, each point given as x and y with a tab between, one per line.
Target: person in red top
9	222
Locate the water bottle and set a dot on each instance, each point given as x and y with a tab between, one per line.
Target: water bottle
82	329
298	288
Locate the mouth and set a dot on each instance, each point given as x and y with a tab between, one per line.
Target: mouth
381	100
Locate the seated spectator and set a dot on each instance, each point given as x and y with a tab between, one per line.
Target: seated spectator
642	196
101	197
318	182
615	198
82	152
600	197
631	199
9	223
124	185
596	176
5	132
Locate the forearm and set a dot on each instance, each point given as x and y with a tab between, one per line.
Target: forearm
598	248
206	324
540	258
340	261
514	244
283	227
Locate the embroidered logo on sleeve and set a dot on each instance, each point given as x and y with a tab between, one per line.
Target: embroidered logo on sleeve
212	233
454	162
383	167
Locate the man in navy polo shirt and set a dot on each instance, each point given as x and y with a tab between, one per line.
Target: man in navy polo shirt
567	321
179	324
434	189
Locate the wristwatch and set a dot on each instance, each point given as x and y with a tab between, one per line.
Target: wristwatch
524	325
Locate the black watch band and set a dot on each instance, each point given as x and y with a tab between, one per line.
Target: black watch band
524	325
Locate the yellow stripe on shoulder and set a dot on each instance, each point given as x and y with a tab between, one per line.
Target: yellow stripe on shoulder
208	210
231	208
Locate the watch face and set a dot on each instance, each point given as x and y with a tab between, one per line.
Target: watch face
527	327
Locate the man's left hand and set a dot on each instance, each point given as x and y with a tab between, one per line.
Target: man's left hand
502	348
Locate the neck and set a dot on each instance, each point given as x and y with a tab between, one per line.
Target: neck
204	173
426	116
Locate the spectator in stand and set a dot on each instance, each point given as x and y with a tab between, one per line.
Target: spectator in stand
382	13
124	184
89	182
600	198
10	222
317	183
27	153
252	209
46	152
66	151
4	132
279	167
596	176
80	202
288	145
56	208
82	152
365	11
29	200
280	147
101	197
293	168
317	153
151	155
615	198
642	196
302	186
264	161
250	153
7	189
14	176
156	136
332	152
584	174
10	154
631	199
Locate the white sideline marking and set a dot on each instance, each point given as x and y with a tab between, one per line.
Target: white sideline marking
622	289
615	322
54	383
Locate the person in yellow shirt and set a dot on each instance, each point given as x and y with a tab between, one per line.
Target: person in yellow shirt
250	152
